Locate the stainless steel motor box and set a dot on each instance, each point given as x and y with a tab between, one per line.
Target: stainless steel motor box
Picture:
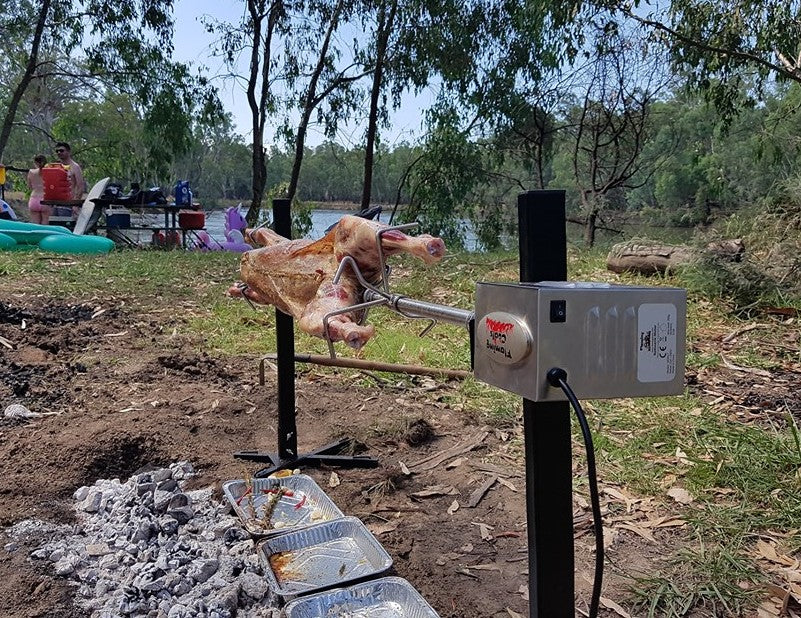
612	340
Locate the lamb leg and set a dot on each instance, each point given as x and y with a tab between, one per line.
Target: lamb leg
341	327
356	237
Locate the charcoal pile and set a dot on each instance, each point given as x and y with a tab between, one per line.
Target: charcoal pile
146	547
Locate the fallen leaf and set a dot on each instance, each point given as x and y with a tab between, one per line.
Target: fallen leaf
485	567
610	604
680	495
643	532
435	490
667	522
404	469
383	528
484	530
682	457
619	495
455	463
479	493
507	484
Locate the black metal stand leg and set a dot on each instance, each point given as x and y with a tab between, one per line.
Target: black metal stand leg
549	478
287	456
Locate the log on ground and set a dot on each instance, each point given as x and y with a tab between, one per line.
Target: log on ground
648	258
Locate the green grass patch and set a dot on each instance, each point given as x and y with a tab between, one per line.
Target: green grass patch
705	577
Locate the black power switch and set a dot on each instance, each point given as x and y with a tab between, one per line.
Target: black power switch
558	310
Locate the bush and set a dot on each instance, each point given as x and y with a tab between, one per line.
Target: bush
770	275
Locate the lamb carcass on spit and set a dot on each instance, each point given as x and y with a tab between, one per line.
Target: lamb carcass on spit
296	276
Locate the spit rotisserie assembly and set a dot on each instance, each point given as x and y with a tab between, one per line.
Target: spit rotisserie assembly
297	276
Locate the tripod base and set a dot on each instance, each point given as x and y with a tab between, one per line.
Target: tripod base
328	455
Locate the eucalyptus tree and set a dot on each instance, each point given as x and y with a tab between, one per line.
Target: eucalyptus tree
257	35
106	45
609	126
327	79
413	44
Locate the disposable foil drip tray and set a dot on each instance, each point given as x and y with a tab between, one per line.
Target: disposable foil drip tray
322	556
271	506
388	597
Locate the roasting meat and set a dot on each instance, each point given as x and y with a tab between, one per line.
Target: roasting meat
296	276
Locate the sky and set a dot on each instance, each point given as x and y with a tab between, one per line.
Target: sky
194	45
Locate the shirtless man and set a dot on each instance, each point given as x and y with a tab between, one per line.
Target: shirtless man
64	154
40	213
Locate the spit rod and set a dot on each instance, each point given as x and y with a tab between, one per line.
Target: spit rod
422	309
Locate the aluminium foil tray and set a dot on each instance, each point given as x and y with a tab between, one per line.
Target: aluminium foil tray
308	504
322	556
388	597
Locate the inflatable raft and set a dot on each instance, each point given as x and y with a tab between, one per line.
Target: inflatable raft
16	235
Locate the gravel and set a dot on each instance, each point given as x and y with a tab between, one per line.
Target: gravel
147	548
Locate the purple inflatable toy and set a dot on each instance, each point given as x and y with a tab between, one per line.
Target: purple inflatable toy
235	225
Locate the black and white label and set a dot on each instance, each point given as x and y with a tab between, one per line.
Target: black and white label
656	352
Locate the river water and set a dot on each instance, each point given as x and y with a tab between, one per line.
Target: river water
322	219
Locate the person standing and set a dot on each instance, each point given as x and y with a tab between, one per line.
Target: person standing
40	213
74	172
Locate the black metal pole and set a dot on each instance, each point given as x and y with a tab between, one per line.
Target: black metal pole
285	348
287	455
549	479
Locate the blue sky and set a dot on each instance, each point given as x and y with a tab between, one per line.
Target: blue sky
193	44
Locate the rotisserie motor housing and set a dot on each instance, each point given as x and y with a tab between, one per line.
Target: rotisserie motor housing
613	341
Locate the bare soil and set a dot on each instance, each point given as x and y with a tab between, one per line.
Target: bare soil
130	391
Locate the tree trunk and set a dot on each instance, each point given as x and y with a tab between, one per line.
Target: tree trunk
385	24
311	101
259	182
27	77
259	69
590	228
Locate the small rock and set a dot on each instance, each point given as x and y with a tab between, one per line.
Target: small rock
253	586
145	488
98	549
63	567
204	570
168	524
93	501
161	475
56	555
161	500
182	514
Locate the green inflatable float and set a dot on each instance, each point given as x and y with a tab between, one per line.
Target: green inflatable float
16	235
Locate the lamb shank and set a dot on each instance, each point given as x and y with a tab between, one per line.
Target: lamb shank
296	276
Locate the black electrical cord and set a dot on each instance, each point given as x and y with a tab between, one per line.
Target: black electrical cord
558	377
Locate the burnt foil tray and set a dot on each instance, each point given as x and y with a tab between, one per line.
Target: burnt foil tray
264	513
322	556
388	597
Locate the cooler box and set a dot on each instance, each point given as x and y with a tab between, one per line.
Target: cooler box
191	219
118	217
56	184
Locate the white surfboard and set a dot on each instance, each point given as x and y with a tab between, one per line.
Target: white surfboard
89	206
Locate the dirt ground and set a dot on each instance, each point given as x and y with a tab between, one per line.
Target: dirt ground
127	391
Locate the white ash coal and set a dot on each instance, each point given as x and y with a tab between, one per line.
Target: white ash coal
147	548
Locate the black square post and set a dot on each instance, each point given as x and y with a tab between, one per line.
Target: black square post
549	471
